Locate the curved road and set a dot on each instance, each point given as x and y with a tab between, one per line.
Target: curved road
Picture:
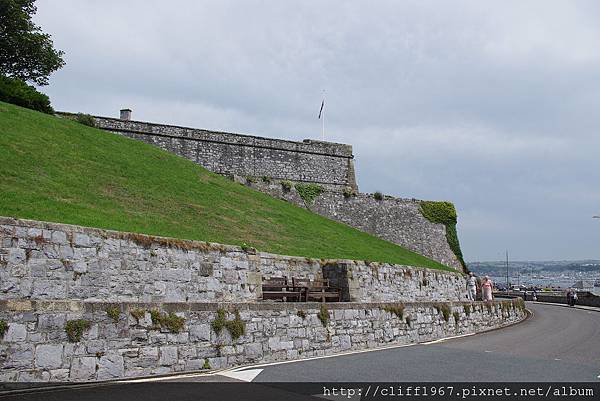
557	344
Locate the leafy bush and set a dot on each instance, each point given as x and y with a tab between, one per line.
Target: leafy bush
266	179
250	179
17	92
378	196
444	213
75	329
85	119
309	192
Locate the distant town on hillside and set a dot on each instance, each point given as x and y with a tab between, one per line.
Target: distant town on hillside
558	274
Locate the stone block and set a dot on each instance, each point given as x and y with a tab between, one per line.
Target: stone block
48	356
16	332
81	240
111	366
168	355
200	332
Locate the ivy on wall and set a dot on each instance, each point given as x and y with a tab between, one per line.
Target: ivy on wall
444	213
308	192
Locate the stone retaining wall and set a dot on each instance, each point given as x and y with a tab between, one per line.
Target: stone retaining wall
57	261
36	346
397	220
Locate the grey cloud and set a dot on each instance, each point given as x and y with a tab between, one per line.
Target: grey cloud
490	105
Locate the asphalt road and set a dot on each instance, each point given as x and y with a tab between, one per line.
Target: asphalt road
557	344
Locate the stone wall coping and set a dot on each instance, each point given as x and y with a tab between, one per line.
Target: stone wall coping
196	245
65	305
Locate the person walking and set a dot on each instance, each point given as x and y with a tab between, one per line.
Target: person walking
486	289
570	297
471	287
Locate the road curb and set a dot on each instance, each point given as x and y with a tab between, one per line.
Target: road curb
580	307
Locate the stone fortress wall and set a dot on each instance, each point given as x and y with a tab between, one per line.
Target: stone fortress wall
150	305
329	165
244	155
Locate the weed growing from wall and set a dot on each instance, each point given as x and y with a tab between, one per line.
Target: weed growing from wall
456	318
444	309
397	310
308	192
114	312
348	192
286	185
301	314
171	322
444	213
3	328
467	309
138	314
266	179
206	365
323	315
378	196
75	329
236	327
408	321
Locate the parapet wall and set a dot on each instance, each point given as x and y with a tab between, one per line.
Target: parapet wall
45	261
130	344
244	155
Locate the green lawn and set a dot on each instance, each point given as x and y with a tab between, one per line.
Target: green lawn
57	170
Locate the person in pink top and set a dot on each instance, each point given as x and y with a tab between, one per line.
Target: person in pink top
486	289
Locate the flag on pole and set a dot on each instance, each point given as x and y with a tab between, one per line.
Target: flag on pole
321	110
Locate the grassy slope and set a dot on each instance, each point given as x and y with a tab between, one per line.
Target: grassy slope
57	170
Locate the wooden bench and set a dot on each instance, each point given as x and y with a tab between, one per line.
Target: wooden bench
277	288
318	289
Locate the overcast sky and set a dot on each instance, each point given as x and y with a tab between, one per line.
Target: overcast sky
493	107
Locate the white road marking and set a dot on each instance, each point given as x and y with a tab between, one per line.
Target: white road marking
488	351
243	375
162	378
557	359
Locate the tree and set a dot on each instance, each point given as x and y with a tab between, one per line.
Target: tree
26	53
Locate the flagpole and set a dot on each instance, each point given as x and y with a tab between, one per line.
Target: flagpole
323	120
323	126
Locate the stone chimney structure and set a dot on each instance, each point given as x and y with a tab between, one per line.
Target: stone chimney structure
125	114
